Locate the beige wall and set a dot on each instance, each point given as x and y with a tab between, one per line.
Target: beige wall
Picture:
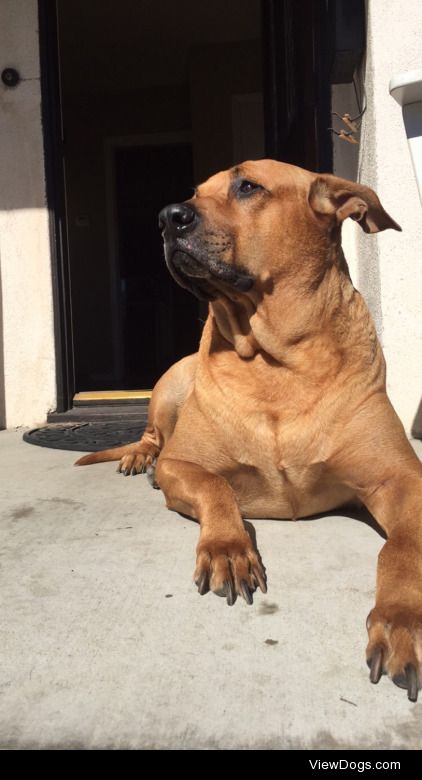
27	362
387	268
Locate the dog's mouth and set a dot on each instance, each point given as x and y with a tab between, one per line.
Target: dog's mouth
205	277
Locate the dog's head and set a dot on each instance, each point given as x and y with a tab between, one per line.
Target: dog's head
261	220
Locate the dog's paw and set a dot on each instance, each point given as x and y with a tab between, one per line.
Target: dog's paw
137	461
229	568
395	647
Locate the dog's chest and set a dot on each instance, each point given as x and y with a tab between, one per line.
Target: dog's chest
266	437
276	473
265	412
274	455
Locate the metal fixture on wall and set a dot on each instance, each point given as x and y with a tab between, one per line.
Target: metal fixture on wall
10	77
352	123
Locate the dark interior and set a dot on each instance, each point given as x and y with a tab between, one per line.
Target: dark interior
160	320
155	97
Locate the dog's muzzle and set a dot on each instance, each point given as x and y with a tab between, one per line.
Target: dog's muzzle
191	263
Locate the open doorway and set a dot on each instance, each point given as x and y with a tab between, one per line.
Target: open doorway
151	99
157	321
155	97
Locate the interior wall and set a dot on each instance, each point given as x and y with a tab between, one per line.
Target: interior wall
217	73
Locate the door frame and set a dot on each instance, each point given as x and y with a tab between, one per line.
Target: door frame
53	140
111	144
297	57
277	94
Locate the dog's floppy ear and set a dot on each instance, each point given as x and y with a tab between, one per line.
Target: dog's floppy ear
340	198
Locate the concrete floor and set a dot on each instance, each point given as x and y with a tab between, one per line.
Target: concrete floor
105	642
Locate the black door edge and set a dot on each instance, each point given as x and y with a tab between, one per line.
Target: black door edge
55	194
296	39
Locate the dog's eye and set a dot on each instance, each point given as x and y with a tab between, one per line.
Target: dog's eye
248	187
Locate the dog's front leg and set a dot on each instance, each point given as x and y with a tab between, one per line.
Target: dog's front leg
226	560
377	461
395	623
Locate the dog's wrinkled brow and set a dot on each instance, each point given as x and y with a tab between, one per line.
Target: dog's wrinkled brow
237	172
219	182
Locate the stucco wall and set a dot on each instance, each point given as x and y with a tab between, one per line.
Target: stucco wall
387	268
27	365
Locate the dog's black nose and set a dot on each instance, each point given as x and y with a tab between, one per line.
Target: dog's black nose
177	218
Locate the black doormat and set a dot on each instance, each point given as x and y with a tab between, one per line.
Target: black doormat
85	436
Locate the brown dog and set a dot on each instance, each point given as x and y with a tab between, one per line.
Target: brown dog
283	412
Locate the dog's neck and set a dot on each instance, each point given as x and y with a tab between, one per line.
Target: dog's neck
232	322
296	316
